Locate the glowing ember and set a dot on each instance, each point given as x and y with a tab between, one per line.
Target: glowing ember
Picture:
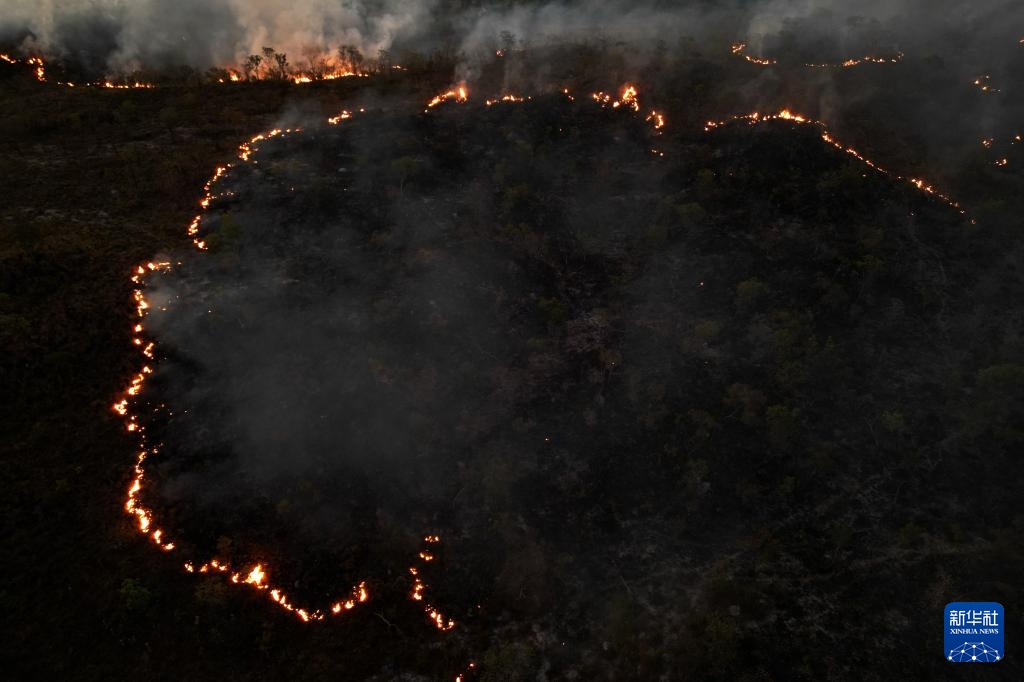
121	86
628	98
847	63
984	83
459	94
461	677
507	98
739	49
38	67
35	63
656	119
335	120
343	74
418	587
257	575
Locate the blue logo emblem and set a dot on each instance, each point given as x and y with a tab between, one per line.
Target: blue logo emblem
974	632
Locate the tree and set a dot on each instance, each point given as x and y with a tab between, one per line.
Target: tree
280	65
351	59
270	59
383	60
251	68
277	63
316	63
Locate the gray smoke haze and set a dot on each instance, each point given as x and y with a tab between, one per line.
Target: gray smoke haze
130	34
374	332
125	34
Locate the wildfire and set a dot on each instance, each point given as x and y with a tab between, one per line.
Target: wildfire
418	587
507	98
461	677
232	75
787	115
38	67
656	119
459	94
36	64
739	49
991	142
847	63
123	86
335	120
348	74
303	78
628	98
257	576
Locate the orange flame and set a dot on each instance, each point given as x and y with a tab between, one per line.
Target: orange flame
507	98
984	83
629	98
418	587
233	75
459	94
739	49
